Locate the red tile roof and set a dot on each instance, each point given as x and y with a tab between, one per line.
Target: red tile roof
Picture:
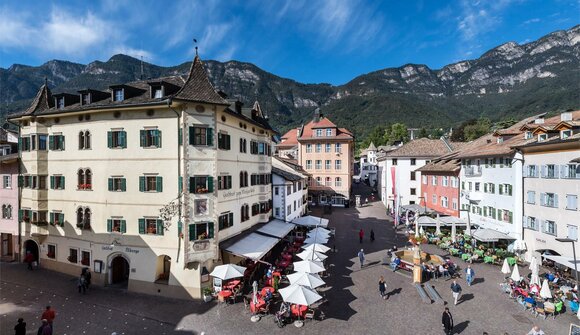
289	139
323	123
307	131
424	147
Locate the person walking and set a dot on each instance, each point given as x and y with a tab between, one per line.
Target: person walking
361	235
383	288
87	273
49	315
456	289
29	259
469	274
447	321
82	284
45	328
372	235
361	257
536	331
20	328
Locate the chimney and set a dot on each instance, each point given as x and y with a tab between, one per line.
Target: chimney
317	115
539	120
566	116
239	105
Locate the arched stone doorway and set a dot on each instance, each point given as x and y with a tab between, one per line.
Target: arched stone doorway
32	247
119	268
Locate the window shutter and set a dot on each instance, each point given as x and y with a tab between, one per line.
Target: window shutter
191	135
20	215
179	136
556	171
542	199
123	184
231	219
191	185
158	139
485	187
220	141
542	226
209	134
110	184
555	200
123	226
61	219
210	229
20	181
229	142
160	228
123	139
544	171
159	184
62	182
525	222
109	225
142	138
509	189
220	183
51	142
210	184
555	229
564	171
52	186
141	184
229	182
109	140
141	226
192	231
180	184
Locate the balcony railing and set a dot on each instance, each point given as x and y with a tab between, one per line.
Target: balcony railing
84	187
473	171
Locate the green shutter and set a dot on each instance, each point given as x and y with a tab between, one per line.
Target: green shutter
141	226
123	184
511	217
20	215
142	138
123	139
20	181
110	184
158	138
180	184
61	219
192	231
160	228
141	184
509	189
51	218
210	229
191	185
485	188
191	135
52	186
51	142
159	184
61	142
62	182
179	136
209	134
210	184
231	219
229	142
123	226
109	225
110	139
220	183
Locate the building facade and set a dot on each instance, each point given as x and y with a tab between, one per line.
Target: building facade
368	165
9	234
289	191
440	185
552	186
141	182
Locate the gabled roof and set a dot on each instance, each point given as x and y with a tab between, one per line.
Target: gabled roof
290	139
447	163
424	147
42	101
323	123
372	147
307	130
197	87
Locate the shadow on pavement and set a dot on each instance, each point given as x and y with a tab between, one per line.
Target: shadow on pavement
477	281
460	327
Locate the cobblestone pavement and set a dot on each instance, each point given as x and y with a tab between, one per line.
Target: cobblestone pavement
353	306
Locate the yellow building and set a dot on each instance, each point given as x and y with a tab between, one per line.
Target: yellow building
141	182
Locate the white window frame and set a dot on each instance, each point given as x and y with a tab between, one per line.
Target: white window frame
308	148
424	179
328	132
7	181
338	148
338	164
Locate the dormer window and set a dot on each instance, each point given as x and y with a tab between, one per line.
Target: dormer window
60	102
156	92
318	132
500	140
85	98
528	135
565	133
542	137
118	94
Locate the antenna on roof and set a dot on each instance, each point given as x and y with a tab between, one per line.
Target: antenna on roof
141	67
195	43
46	81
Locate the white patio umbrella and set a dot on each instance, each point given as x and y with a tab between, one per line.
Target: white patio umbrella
453	231
316	247
228	271
533	263
309	266
311	280
312	255
516	274
505	267
298	294
468	228
320	235
545	290
421	231
311	240
320	230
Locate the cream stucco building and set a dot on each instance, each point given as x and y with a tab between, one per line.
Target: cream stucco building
141	182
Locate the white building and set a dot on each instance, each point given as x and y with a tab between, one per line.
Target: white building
98	168
289	190
551	185
398	179
368	165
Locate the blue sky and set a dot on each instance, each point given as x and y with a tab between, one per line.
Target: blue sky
329	41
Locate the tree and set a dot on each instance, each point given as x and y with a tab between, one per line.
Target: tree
474	131
423	133
397	132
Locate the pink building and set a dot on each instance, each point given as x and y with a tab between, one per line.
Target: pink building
8	195
440	185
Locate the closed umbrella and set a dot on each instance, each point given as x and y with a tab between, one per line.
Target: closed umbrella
300	295
228	271
468	228
316	247
545	290
453	231
437	226
533	263
535	278
516	274
255	292
506	267
311	280
312	255
309	266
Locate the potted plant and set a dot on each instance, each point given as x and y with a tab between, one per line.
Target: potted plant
207	294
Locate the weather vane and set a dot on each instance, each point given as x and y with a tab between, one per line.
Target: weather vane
195	43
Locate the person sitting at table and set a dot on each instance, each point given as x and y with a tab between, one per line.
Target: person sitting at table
556	279
433	270
443	271
395	264
268	296
550	276
530	300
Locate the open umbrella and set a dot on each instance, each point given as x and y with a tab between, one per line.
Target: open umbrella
255	291
506	267
453	231
228	271
320	230
315	239
309	266
312	255
318	235
316	247
311	280
545	290
516	274
300	295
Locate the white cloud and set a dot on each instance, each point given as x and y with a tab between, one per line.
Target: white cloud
534	20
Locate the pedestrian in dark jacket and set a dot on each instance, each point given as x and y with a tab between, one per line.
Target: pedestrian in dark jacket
456	289
447	321
45	328
29	259
82	284
20	328
361	235
383	288
372	235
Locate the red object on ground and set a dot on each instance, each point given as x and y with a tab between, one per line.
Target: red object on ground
283	264
225	293
287	257
256	307
265	289
299	310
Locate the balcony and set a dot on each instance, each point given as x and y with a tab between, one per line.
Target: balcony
473	171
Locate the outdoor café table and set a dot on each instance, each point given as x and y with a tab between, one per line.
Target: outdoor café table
224	294
511	261
465	257
266	289
453	251
299	310
256	307
232	284
488	259
479	253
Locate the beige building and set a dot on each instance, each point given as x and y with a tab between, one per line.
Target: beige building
141	182
326	152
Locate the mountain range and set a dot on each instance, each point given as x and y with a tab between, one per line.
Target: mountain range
508	81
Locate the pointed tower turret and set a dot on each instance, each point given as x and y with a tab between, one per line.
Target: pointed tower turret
42	101
198	88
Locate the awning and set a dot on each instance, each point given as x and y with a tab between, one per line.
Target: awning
253	246
490	235
276	228
311	221
427	221
416	208
566	261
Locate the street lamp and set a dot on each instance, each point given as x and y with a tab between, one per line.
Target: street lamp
573	251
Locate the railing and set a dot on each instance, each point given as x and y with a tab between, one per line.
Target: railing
473	171
84	187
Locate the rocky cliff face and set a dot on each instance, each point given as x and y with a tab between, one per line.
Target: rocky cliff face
509	80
